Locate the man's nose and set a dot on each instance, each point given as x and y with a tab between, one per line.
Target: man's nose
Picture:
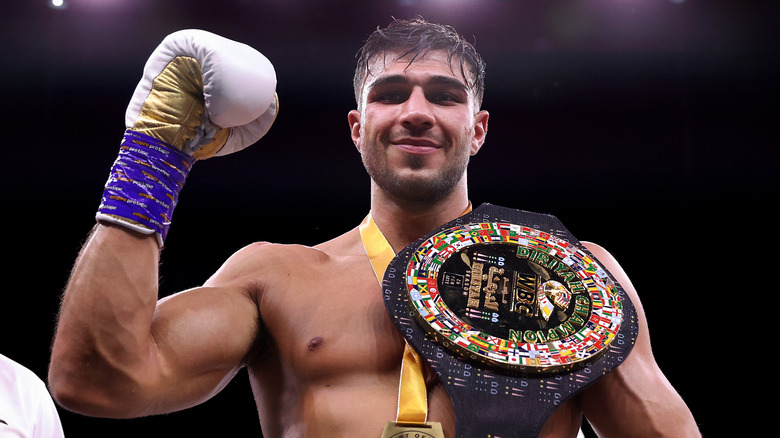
417	112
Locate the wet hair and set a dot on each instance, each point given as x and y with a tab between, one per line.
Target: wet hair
414	38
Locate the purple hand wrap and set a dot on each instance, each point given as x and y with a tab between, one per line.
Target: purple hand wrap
144	184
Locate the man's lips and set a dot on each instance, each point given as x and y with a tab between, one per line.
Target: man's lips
416	145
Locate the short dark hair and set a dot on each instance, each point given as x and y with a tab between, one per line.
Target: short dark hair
415	38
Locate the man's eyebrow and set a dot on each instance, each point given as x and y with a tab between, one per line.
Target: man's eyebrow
449	81
388	80
439	80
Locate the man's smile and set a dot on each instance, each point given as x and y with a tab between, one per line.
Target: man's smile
416	145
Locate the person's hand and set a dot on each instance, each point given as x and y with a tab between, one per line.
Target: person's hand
201	96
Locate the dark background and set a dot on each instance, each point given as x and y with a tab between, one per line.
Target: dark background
645	126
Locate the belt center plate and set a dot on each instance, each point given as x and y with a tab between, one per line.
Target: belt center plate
513	297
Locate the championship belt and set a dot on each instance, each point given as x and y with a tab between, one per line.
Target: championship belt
512	313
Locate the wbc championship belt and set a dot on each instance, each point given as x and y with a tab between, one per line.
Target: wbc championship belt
512	313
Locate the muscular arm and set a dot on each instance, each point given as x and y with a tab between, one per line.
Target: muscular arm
119	353
635	399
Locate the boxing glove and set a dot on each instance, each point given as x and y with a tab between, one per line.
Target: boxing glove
201	95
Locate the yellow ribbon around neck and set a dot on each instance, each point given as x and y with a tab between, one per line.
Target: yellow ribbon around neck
412	393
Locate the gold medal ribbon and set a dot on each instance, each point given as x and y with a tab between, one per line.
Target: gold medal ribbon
412	393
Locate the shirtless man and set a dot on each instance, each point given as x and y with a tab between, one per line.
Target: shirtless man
309	323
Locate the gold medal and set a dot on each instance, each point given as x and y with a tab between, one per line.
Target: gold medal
427	430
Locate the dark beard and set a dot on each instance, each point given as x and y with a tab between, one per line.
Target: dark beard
418	189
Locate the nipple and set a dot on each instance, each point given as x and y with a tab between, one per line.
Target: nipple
315	343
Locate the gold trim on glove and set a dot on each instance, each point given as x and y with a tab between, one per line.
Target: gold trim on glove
175	109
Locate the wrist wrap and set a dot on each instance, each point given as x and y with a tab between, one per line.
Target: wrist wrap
144	184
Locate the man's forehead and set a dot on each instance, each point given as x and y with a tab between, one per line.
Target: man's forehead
435	62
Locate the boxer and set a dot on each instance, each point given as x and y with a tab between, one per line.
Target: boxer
308	323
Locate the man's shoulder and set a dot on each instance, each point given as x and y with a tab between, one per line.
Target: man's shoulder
275	254
346	244
261	265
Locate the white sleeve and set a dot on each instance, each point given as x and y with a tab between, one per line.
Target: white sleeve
26	407
46	419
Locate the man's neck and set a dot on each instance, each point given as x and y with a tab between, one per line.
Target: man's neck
403	222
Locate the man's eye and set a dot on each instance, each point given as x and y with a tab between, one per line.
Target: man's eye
390	97
443	98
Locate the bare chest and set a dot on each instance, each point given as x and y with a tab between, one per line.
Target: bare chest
332	350
329	320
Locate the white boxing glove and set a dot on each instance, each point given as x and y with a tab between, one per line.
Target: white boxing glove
199	86
201	96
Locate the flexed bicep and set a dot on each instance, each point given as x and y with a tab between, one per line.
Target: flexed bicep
202	337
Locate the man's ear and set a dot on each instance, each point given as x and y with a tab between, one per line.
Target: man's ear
354	127
480	131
